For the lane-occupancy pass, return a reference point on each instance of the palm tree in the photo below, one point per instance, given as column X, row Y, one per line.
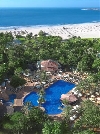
column 65, row 102
column 26, row 107
column 43, row 76
column 67, row 112
column 41, row 97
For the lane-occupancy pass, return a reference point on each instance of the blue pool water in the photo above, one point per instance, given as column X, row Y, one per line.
column 52, row 96
column 11, row 98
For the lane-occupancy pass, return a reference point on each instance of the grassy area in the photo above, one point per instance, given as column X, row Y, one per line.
column 22, row 39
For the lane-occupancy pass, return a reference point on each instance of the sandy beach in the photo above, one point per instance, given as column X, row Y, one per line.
column 84, row 30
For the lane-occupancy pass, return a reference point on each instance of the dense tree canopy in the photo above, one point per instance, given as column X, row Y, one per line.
column 17, row 81
column 90, row 116
column 75, row 53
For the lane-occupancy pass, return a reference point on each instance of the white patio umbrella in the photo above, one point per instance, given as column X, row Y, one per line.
column 79, row 95
column 98, row 98
column 66, row 75
column 74, row 116
column 71, row 118
column 75, row 107
column 43, row 82
column 92, row 96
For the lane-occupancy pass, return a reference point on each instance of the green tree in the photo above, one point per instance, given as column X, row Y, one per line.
column 26, row 107
column 41, row 98
column 37, row 119
column 87, row 85
column 65, row 102
column 84, row 132
column 96, row 64
column 16, row 123
column 43, row 76
column 67, row 113
column 17, row 81
column 55, row 127
column 3, row 71
column 90, row 116
column 18, row 71
column 41, row 33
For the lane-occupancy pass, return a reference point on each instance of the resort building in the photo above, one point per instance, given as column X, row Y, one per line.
column 48, row 65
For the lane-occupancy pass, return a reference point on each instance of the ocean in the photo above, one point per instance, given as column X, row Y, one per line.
column 26, row 17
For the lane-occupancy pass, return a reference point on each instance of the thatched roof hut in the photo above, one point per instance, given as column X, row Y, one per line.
column 69, row 97
column 5, row 110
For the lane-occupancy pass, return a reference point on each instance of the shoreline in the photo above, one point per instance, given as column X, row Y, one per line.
column 49, row 25
column 84, row 30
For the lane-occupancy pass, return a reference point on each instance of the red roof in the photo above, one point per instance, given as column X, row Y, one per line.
column 49, row 65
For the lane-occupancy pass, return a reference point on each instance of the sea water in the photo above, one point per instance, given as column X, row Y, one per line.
column 26, row 17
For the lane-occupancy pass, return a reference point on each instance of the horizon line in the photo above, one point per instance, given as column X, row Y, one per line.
column 49, row 7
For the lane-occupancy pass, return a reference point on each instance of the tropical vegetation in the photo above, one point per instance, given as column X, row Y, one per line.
column 74, row 54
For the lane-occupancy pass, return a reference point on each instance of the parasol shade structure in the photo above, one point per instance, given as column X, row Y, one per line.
column 4, row 96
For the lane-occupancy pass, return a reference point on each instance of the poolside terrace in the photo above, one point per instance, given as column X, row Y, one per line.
column 35, row 85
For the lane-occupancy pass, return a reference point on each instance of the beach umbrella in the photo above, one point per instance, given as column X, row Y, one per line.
column 77, row 106
column 59, row 75
column 77, row 111
column 98, row 102
column 74, row 116
column 79, row 95
column 92, row 99
column 71, row 118
column 66, row 75
column 75, row 93
column 97, row 93
column 43, row 82
column 98, row 98
column 60, row 71
column 74, row 107
column 92, row 96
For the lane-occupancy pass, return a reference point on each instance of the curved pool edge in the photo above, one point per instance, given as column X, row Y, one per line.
column 26, row 95
column 50, row 114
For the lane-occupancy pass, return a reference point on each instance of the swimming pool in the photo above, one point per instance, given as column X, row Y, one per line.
column 11, row 99
column 52, row 96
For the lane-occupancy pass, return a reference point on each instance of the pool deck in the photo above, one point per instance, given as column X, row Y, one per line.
column 21, row 94
column 29, row 87
column 18, row 102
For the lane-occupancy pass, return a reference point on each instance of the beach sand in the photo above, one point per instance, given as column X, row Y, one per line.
column 84, row 30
